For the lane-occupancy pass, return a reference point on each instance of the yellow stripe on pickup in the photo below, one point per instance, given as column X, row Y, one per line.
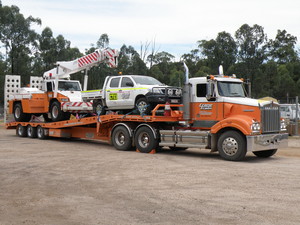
column 90, row 91
column 125, row 89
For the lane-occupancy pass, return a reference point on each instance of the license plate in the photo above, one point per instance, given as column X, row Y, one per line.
column 174, row 100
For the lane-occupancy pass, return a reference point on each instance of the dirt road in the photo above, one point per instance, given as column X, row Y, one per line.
column 61, row 181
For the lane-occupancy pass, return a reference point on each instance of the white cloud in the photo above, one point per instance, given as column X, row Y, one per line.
column 170, row 22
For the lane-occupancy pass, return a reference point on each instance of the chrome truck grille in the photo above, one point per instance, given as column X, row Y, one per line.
column 270, row 117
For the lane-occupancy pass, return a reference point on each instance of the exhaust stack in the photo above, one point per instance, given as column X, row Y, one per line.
column 186, row 95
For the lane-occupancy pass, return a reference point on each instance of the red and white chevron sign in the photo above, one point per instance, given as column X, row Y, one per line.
column 108, row 56
column 77, row 104
column 88, row 59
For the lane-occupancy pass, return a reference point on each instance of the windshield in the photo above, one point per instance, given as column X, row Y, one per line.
column 144, row 80
column 68, row 86
column 231, row 89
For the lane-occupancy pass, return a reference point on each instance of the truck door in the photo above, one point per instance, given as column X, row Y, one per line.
column 127, row 92
column 203, row 112
column 112, row 92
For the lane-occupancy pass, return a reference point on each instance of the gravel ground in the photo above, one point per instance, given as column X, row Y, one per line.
column 62, row 181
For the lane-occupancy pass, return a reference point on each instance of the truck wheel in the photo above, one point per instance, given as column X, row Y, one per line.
column 46, row 117
column 232, row 146
column 31, row 131
column 56, row 113
column 19, row 115
column 145, row 140
column 40, row 132
column 98, row 108
column 121, row 139
column 143, row 106
column 265, row 154
column 21, row 131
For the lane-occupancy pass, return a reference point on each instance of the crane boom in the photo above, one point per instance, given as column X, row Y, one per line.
column 64, row 69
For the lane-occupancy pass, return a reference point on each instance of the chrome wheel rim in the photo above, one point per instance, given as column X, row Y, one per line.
column 144, row 140
column 39, row 132
column 142, row 106
column 230, row 146
column 17, row 112
column 29, row 131
column 120, row 138
column 54, row 112
column 99, row 109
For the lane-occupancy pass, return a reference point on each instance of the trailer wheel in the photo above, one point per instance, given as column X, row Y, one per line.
column 19, row 115
column 40, row 132
column 56, row 113
column 21, row 131
column 145, row 140
column 265, row 154
column 143, row 106
column 31, row 131
column 232, row 146
column 121, row 139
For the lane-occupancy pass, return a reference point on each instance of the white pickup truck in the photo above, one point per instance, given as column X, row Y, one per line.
column 126, row 92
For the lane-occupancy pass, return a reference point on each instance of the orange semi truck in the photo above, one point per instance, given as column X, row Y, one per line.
column 216, row 114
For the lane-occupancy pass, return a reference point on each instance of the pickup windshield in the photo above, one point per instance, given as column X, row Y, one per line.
column 144, row 80
column 68, row 86
column 231, row 89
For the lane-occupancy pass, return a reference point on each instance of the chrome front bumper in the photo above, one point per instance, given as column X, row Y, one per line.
column 267, row 142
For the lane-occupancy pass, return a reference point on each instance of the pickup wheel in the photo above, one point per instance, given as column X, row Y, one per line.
column 56, row 113
column 31, row 131
column 145, row 140
column 21, row 131
column 121, row 139
column 19, row 115
column 98, row 108
column 265, row 154
column 143, row 106
column 232, row 146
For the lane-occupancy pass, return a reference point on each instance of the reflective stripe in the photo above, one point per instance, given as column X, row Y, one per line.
column 90, row 91
column 125, row 89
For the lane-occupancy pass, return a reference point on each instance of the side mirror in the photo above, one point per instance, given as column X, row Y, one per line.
column 129, row 84
column 210, row 92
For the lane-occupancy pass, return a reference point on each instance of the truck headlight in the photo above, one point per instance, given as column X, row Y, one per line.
column 178, row 92
column 283, row 125
column 255, row 127
column 170, row 92
column 156, row 90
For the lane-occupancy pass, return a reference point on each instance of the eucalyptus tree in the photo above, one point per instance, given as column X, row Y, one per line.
column 18, row 38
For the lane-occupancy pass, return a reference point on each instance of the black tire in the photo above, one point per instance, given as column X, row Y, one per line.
column 265, row 154
column 143, row 106
column 21, row 131
column 46, row 117
column 232, row 146
column 56, row 113
column 19, row 115
column 177, row 148
column 98, row 108
column 40, row 132
column 121, row 139
column 31, row 131
column 145, row 140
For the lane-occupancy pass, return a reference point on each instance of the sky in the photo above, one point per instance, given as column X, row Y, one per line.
column 174, row 26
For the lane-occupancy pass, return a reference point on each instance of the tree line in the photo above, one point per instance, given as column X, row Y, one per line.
column 271, row 65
